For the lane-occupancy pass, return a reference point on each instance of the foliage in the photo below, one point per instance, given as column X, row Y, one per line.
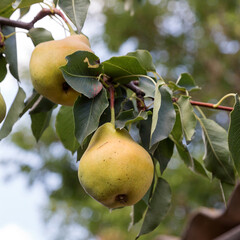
column 158, row 113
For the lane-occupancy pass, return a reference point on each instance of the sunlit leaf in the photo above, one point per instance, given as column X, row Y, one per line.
column 145, row 59
column 76, row 10
column 13, row 113
column 158, row 207
column 234, row 134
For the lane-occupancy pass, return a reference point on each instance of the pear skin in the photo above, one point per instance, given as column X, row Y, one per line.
column 115, row 170
column 2, row 108
column 45, row 62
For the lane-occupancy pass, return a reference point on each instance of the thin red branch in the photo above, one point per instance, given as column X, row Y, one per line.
column 43, row 13
column 210, row 105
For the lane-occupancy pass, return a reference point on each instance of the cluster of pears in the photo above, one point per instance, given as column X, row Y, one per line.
column 45, row 62
column 115, row 170
column 2, row 108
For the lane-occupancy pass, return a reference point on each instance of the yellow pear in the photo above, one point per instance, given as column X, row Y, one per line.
column 45, row 62
column 2, row 108
column 115, row 170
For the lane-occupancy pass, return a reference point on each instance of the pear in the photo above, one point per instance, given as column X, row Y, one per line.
column 2, row 108
column 45, row 62
column 115, row 170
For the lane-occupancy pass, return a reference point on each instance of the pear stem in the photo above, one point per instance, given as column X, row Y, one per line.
column 111, row 91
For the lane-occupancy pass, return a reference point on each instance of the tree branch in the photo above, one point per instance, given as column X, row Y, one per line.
column 139, row 92
column 43, row 13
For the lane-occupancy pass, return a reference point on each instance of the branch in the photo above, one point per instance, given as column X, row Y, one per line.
column 139, row 92
column 140, row 95
column 43, row 13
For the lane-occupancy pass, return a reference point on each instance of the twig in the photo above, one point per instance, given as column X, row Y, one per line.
column 43, row 13
column 139, row 92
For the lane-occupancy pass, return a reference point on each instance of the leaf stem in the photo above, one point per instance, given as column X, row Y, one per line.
column 223, row 98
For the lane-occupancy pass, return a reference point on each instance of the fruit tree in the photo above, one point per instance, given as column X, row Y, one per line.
column 119, row 117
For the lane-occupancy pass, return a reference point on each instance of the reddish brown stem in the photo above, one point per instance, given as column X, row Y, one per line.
column 111, row 91
column 43, row 13
column 208, row 105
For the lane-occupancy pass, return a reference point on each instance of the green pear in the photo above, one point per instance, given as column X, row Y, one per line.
column 115, row 170
column 2, row 108
column 45, row 62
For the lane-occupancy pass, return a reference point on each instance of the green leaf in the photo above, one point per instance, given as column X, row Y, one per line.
column 177, row 137
column 145, row 132
column 28, row 3
column 138, row 211
column 187, row 82
column 6, row 8
column 81, row 73
column 42, row 105
column 76, row 10
column 3, row 67
column 13, row 113
column 217, row 156
column 39, row 35
column 163, row 115
column 11, row 51
column 65, row 128
column 87, row 113
column 121, row 69
column 24, row 11
column 147, row 86
column 129, row 117
column 81, row 150
column 145, row 59
column 198, row 168
column 234, row 134
column 158, row 207
column 40, row 121
column 30, row 102
column 187, row 117
column 164, row 152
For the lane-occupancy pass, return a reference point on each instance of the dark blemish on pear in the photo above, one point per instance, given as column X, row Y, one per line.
column 65, row 87
column 122, row 198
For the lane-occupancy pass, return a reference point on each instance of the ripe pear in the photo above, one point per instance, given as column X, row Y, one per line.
column 2, row 108
column 45, row 62
column 115, row 170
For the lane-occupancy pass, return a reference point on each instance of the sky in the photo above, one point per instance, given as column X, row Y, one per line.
column 20, row 206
